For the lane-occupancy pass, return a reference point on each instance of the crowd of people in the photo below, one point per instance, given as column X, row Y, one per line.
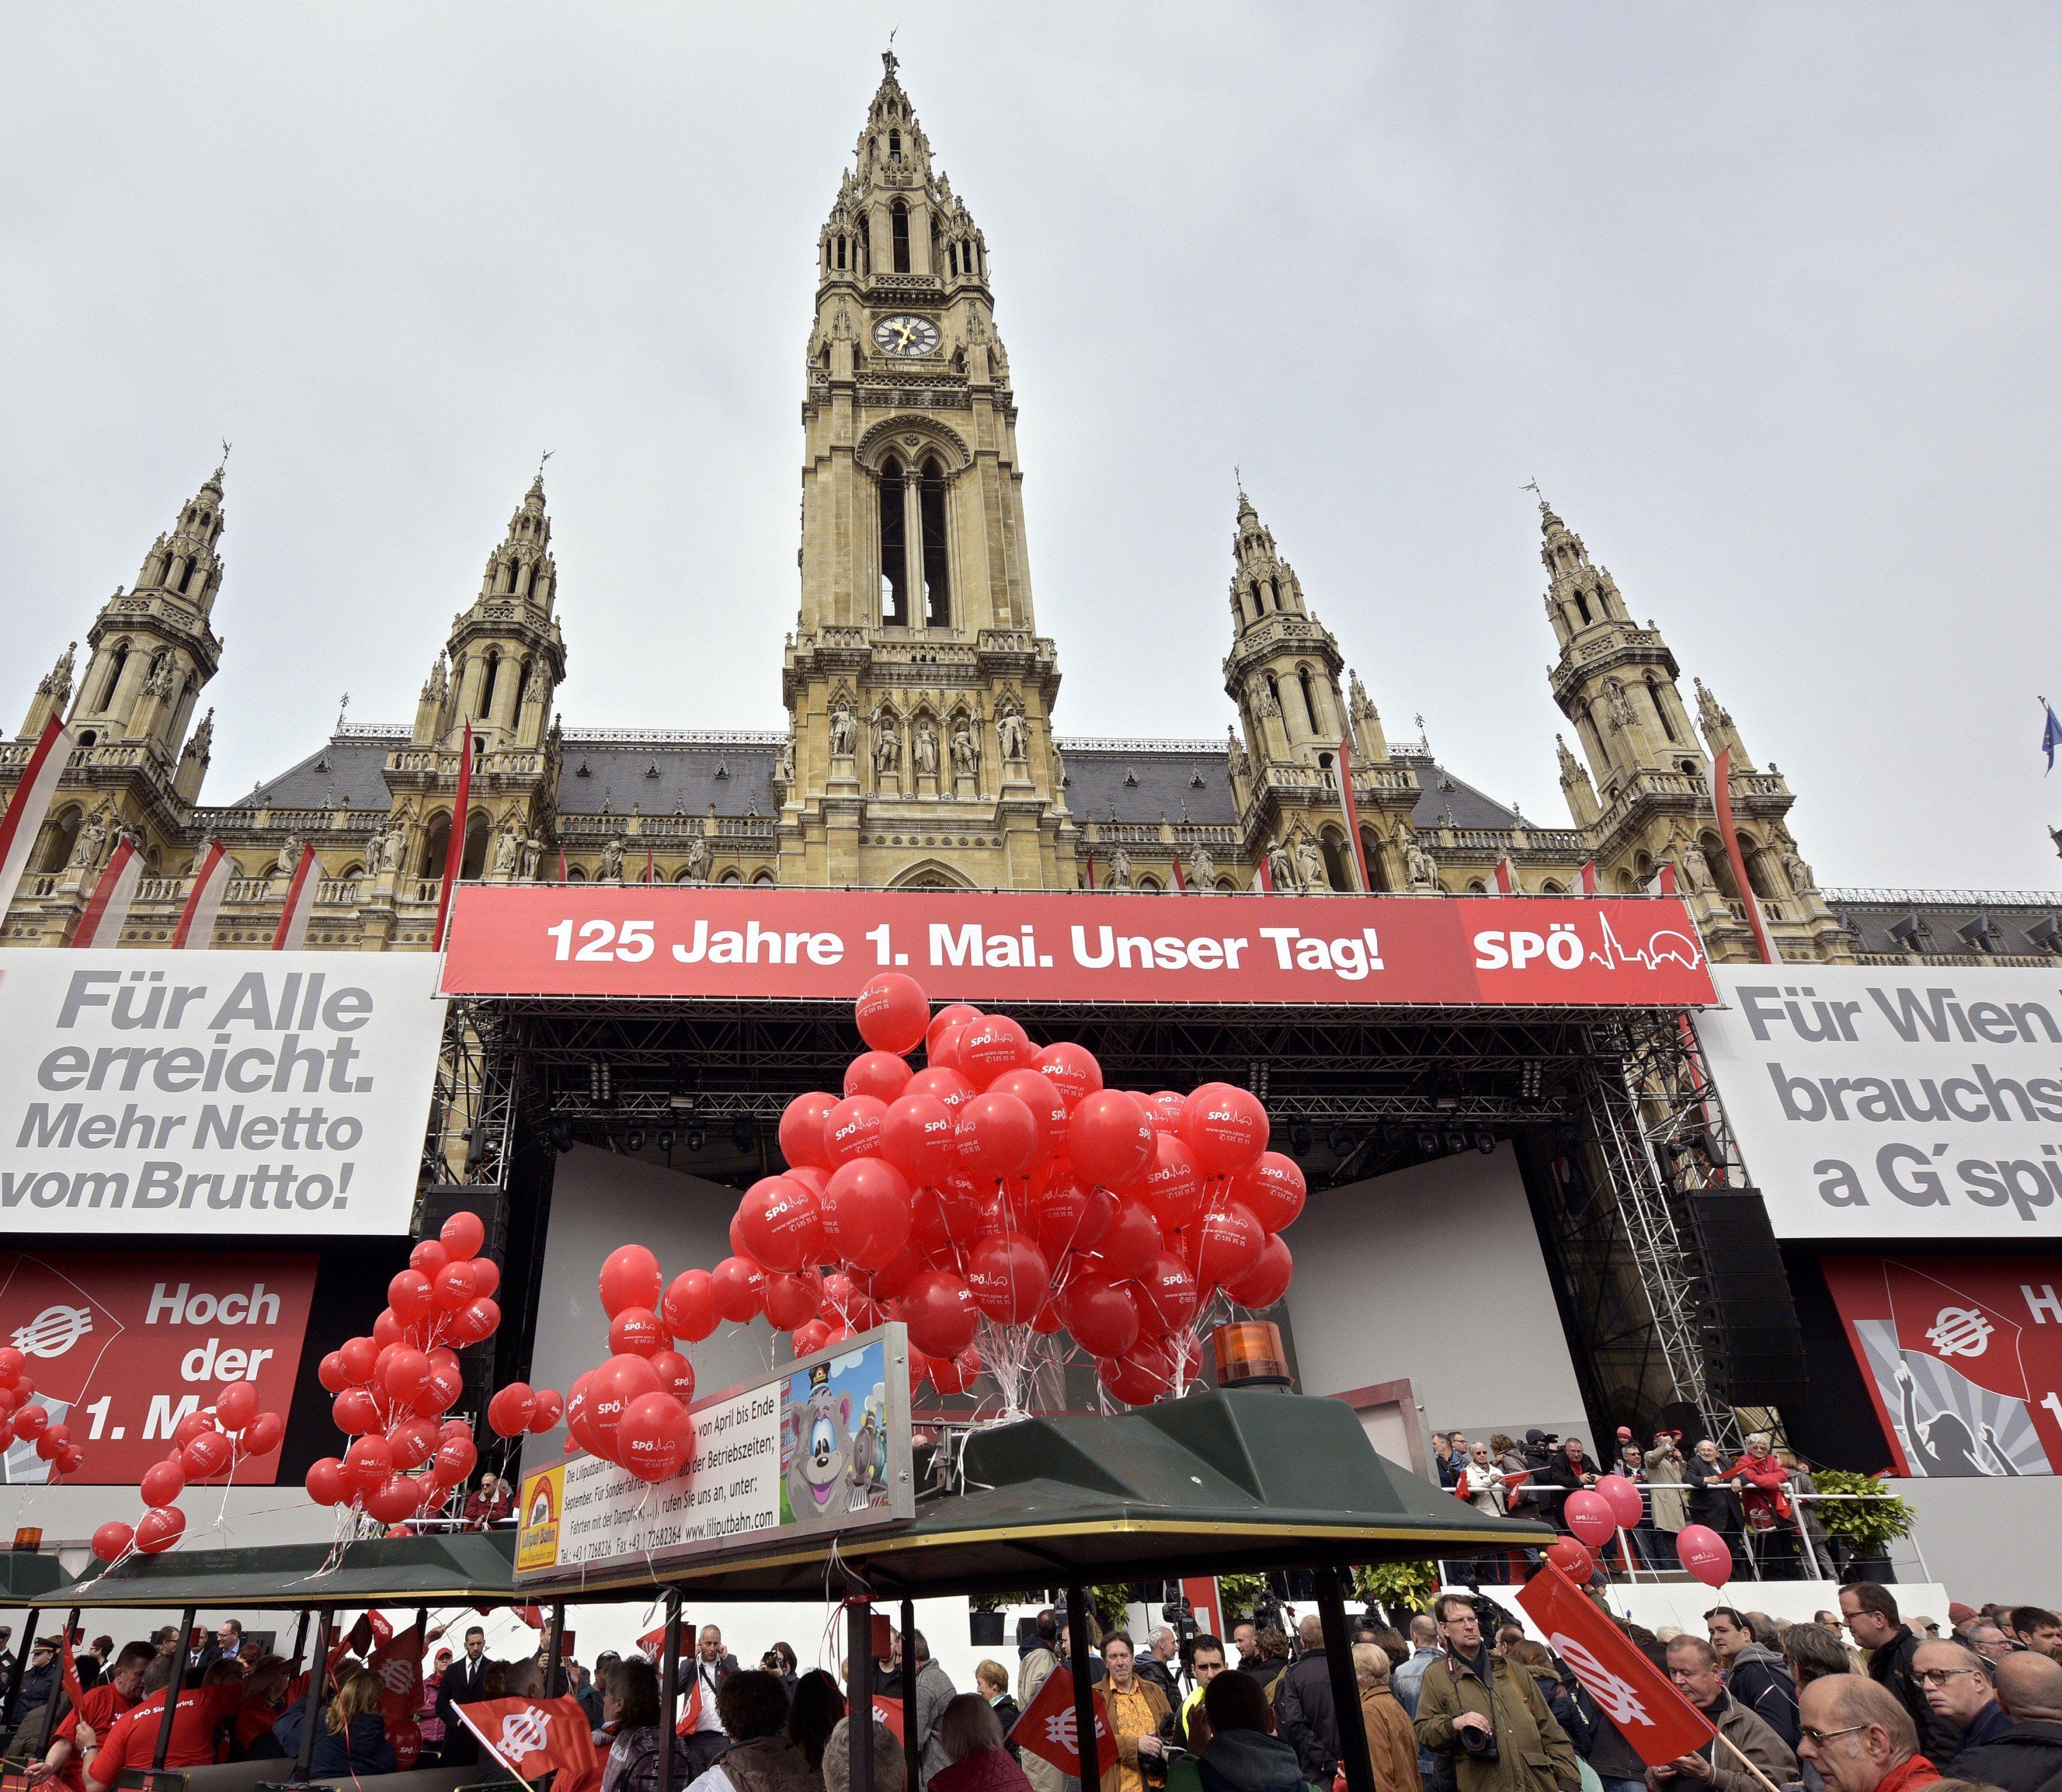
column 1759, row 1501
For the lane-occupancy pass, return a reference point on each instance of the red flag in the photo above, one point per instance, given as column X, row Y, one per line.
column 1181, row 883
column 1264, row 879
column 1722, row 800
column 398, row 1663
column 1090, row 884
column 67, row 1669
column 1589, row 877
column 693, row 1715
column 1047, row 1727
column 1353, row 815
column 292, row 934
column 1639, row 1698
column 651, row 867
column 652, row 1642
column 533, row 1737
column 23, row 821
column 196, row 929
column 107, row 908
column 890, row 1711
column 1978, row 1342
column 562, row 865
column 455, row 852
column 1506, row 879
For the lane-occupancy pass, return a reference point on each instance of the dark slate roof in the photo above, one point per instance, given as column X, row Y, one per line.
column 2007, row 922
column 1445, row 794
column 346, row 773
column 660, row 776
column 1183, row 781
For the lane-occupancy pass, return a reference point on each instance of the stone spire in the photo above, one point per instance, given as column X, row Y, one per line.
column 507, row 655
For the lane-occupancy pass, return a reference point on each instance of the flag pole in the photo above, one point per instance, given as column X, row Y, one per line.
column 1769, row 1784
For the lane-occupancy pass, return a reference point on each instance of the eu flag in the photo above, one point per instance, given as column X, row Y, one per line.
column 2051, row 737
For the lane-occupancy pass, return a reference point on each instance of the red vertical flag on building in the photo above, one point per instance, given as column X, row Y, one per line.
column 195, row 932
column 1351, row 810
column 23, row 821
column 292, row 934
column 455, row 852
column 107, row 908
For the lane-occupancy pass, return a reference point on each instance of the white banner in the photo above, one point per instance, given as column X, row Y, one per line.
column 281, row 1096
column 1876, row 1102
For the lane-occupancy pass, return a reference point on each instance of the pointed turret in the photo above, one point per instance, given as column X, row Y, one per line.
column 507, row 655
column 1576, row 787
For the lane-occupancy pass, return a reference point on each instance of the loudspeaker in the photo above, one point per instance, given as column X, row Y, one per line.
column 1754, row 1347
column 489, row 1203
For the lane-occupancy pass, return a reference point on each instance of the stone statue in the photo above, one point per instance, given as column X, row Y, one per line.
column 1310, row 864
column 1012, row 735
column 433, row 686
column 507, row 847
column 844, row 731
column 1280, row 872
column 887, row 744
column 1263, row 699
column 1798, row 873
column 966, row 750
column 1203, row 868
column 533, row 852
column 1120, row 868
column 290, row 855
column 1710, row 713
column 1621, row 710
column 1689, row 855
column 612, row 862
column 1358, row 697
column 698, row 860
column 1419, row 870
column 1235, row 752
column 56, row 683
column 203, row 737
column 387, row 846
column 92, row 842
column 927, row 749
column 784, row 762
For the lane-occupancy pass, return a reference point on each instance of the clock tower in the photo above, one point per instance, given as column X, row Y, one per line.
column 919, row 692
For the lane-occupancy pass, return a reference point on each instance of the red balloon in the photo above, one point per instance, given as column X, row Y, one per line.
column 690, row 1306
column 359, row 1357
column 325, row 1483
column 955, row 1014
column 462, row 1235
column 1173, row 1186
column 893, row 1013
column 415, row 1441
column 428, row 1257
column 1272, row 1187
column 943, row 1051
column 1127, row 1247
column 184, row 1433
column 811, row 1337
column 388, row 1331
column 1267, row 1281
column 368, row 1462
column 509, row 1411
column 445, row 1384
column 456, row 1285
column 111, row 1539
column 802, row 1129
column 1166, row 1297
column 481, row 1320
column 261, row 1435
column 946, row 1216
column 1070, row 1068
column 1623, row 1497
column 1103, row 1318
column 393, row 1499
column 792, row 1300
column 939, row 1311
column 549, row 1409
column 404, row 1736
column 629, row 1278
column 997, row 1135
column 636, row 1330
column 408, row 1294
column 208, row 1454
column 1139, row 1379
column 1572, row 1559
column 577, row 1427
column 941, row 1084
column 13, row 1362
column 454, row 1460
column 163, row 1482
column 648, row 1440
column 73, row 1460
column 1049, row 1109
column 1226, row 1132
column 1110, row 1140
column 1164, row 1109
column 918, row 1138
column 617, row 1383
column 1588, row 1516
column 1703, row 1552
column 881, row 1075
column 51, row 1444
column 1071, row 1217
column 1228, row 1243
column 990, row 1046
column 234, row 1408
column 884, row 1284
column 406, row 1373
column 958, row 1374
column 867, row 1212
column 852, row 1129
column 487, row 1274
column 159, row 1529
column 675, row 1374
column 780, row 1223
column 1008, row 1276
column 738, row 1287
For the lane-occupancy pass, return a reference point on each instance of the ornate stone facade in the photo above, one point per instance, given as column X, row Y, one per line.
column 919, row 747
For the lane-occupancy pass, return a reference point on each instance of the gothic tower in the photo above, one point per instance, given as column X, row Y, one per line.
column 919, row 692
column 1283, row 672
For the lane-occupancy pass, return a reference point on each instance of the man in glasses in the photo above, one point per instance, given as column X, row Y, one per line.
column 2029, row 1753
column 1956, row 1682
column 1856, row 1733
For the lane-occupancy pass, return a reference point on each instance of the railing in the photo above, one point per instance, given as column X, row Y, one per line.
column 1101, row 743
column 681, row 737
column 1953, row 899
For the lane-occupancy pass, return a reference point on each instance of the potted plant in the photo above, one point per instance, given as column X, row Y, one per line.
column 1398, row 1587
column 985, row 1622
column 1866, row 1524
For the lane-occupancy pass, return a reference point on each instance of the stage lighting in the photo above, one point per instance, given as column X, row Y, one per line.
column 1457, row 1141
column 1485, row 1143
column 743, row 1133
column 1300, row 1139
column 634, row 1139
column 1340, row 1142
column 665, row 1141
column 696, row 1139
column 562, row 1136
column 1530, row 1078
column 1428, row 1144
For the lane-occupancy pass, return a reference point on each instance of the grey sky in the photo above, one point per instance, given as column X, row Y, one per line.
column 1764, row 296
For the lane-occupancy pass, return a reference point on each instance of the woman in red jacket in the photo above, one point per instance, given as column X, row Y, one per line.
column 1771, row 1518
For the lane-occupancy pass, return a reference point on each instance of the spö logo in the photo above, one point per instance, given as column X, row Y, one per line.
column 53, row 1331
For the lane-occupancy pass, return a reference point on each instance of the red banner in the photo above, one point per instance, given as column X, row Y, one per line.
column 1962, row 1356
column 121, row 1346
column 1661, row 1724
column 531, row 1736
column 755, row 941
column 1047, row 1729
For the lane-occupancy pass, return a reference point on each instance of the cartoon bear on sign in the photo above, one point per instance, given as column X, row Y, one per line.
column 819, row 1477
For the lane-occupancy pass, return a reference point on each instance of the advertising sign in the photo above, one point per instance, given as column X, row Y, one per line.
column 1961, row 1355
column 1884, row 1103
column 283, row 1095
column 122, row 1346
column 820, row 1445
column 758, row 941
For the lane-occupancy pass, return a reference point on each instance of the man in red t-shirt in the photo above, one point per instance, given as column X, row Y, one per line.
column 104, row 1703
column 201, row 1709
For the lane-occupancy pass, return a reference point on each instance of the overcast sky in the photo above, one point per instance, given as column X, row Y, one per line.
column 1764, row 297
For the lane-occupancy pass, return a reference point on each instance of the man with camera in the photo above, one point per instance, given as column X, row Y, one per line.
column 1489, row 1718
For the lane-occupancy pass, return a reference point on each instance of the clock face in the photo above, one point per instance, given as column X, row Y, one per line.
column 905, row 335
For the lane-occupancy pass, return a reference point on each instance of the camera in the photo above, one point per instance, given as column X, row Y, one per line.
column 1477, row 1745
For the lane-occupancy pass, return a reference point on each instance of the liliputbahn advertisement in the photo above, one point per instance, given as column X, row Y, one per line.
column 820, row 1445
column 282, row 1095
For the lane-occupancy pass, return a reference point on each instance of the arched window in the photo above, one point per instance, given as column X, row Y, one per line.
column 1371, row 850
column 1719, row 865
column 1311, row 706
column 1274, row 585
column 1627, row 884
column 1757, row 867
column 938, row 580
column 1583, row 605
column 487, row 684
column 477, row 836
column 1551, row 886
column 762, row 877
column 436, row 845
column 59, row 839
column 1338, row 872
column 185, row 579
column 898, row 225
column 894, row 145
column 839, row 250
column 1274, row 691
column 733, row 876
column 894, row 548
column 114, row 674
column 1660, row 708
column 863, row 253
column 1259, row 603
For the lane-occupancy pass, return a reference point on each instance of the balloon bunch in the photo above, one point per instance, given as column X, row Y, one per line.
column 392, row 1389
column 998, row 1196
column 207, row 1445
column 24, row 1419
column 633, row 1409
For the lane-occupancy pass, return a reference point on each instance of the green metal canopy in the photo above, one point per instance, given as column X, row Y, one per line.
column 24, row 1574
column 473, row 1568
column 1213, row 1483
